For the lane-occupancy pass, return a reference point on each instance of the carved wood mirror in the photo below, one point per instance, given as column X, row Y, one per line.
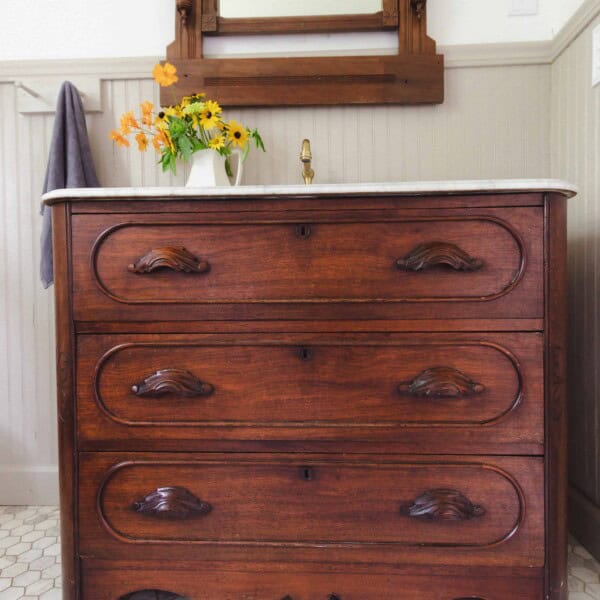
column 415, row 75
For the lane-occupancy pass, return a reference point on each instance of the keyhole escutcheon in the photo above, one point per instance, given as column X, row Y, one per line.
column 303, row 231
column 307, row 473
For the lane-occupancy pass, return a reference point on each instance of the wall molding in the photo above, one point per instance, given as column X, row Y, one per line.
column 497, row 55
column 29, row 485
column 457, row 56
column 586, row 13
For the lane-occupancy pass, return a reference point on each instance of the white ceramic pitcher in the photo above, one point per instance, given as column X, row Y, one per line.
column 208, row 169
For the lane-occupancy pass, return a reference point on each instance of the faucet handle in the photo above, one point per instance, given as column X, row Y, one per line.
column 306, row 158
column 306, row 154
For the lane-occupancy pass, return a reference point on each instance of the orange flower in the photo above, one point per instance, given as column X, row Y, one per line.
column 165, row 75
column 128, row 121
column 162, row 139
column 147, row 108
column 119, row 139
column 142, row 141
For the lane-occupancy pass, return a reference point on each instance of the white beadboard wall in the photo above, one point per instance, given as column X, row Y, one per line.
column 494, row 124
column 575, row 112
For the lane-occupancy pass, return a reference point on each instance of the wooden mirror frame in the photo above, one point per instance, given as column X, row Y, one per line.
column 413, row 76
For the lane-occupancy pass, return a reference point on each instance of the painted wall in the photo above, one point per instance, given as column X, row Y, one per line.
column 112, row 28
column 576, row 156
column 561, row 12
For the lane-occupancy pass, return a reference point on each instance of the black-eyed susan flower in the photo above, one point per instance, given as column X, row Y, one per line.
column 217, row 143
column 210, row 115
column 237, row 134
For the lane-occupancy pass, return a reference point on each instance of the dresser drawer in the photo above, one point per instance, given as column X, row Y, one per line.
column 451, row 264
column 454, row 510
column 306, row 582
column 433, row 392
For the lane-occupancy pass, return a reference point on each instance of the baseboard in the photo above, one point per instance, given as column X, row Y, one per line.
column 30, row 486
column 584, row 521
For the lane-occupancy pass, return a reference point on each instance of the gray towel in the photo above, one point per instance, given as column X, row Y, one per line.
column 70, row 164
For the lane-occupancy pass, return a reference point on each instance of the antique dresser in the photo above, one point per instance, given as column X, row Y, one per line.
column 326, row 393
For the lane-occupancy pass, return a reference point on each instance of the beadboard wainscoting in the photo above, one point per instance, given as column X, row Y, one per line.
column 495, row 123
column 576, row 156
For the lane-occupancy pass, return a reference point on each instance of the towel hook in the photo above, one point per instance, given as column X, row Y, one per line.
column 28, row 90
column 20, row 85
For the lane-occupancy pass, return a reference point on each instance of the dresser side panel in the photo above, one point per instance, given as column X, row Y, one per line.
column 67, row 439
column 556, row 398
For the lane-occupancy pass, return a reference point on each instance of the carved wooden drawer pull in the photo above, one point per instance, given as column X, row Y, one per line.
column 154, row 594
column 441, row 382
column 172, row 381
column 442, row 505
column 435, row 254
column 168, row 257
column 172, row 503
column 330, row 597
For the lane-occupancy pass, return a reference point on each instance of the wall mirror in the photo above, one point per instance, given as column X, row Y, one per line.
column 296, row 8
column 415, row 75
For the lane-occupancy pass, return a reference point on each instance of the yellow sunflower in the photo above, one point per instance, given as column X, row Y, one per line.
column 211, row 115
column 217, row 142
column 165, row 75
column 147, row 108
column 142, row 141
column 119, row 139
column 237, row 134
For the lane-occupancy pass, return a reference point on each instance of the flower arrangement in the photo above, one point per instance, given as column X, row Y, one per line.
column 179, row 131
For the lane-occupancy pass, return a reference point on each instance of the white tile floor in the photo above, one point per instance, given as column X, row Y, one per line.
column 30, row 558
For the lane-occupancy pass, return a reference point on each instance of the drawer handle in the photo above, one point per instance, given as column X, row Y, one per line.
column 168, row 257
column 155, row 594
column 172, row 503
column 330, row 597
column 434, row 254
column 441, row 382
column 442, row 505
column 172, row 381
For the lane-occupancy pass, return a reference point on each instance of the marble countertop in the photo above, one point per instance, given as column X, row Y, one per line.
column 412, row 188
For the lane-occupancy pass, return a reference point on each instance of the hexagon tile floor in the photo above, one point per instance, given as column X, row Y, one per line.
column 30, row 558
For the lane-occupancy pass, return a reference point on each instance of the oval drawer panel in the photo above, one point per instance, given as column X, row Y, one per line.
column 303, row 582
column 332, row 384
column 461, row 258
column 319, row 503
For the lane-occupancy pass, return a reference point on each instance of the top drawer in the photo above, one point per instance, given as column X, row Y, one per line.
column 442, row 264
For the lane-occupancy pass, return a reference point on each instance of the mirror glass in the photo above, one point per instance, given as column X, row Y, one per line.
column 294, row 8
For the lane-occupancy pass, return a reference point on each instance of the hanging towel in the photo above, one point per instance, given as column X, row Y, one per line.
column 70, row 164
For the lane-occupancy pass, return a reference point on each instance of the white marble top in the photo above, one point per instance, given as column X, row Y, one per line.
column 331, row 189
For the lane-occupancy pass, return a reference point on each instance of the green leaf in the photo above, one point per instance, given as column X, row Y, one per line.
column 228, row 167
column 186, row 148
column 245, row 152
column 198, row 144
column 258, row 140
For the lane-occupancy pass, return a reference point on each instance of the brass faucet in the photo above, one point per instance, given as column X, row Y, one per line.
column 306, row 158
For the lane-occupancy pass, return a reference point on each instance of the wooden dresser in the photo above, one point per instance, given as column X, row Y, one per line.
column 327, row 393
